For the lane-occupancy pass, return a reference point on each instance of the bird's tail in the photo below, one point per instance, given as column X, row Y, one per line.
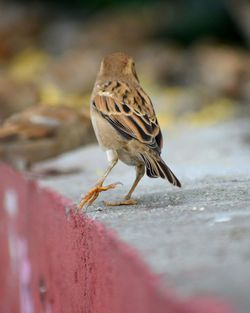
column 156, row 167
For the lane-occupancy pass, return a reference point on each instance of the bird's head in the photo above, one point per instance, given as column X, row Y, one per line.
column 118, row 65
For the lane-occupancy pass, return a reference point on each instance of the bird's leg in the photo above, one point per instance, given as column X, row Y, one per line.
column 140, row 171
column 94, row 192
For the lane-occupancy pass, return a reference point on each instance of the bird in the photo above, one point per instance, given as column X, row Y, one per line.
column 42, row 132
column 126, row 127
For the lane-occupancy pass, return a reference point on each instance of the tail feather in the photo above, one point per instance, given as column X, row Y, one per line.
column 156, row 167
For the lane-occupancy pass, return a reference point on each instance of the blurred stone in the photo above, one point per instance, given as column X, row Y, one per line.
column 15, row 97
column 124, row 28
column 74, row 71
column 19, row 27
column 61, row 34
column 159, row 63
column 224, row 70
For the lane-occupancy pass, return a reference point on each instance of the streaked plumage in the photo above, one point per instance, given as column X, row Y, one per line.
column 42, row 132
column 125, row 123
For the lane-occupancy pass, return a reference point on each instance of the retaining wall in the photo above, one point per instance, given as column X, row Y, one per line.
column 55, row 261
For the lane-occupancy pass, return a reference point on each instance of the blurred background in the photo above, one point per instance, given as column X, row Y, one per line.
column 192, row 56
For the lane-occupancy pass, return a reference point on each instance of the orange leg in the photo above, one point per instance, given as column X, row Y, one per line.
column 140, row 171
column 94, row 192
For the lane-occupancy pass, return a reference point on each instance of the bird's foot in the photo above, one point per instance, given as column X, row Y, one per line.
column 92, row 195
column 123, row 202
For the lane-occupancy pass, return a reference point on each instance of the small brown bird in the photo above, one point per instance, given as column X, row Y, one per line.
column 42, row 132
column 125, row 125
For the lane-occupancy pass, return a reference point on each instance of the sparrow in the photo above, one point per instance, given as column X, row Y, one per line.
column 126, row 126
column 42, row 132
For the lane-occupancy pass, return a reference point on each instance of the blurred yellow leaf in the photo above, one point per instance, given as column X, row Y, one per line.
column 51, row 95
column 219, row 110
column 54, row 96
column 27, row 64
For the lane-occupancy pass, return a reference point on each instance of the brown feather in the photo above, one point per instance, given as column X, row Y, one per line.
column 130, row 112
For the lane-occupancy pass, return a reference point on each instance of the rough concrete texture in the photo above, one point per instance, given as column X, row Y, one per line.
column 196, row 238
column 53, row 261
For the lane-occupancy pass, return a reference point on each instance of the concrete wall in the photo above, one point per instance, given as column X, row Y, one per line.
column 55, row 261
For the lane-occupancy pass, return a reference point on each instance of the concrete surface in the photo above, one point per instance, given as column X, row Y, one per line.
column 196, row 238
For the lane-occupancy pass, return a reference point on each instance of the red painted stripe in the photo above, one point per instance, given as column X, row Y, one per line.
column 54, row 263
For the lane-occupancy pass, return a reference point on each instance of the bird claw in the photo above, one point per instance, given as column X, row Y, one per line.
column 92, row 195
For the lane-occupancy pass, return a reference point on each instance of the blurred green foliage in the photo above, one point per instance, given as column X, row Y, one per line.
column 190, row 19
column 194, row 19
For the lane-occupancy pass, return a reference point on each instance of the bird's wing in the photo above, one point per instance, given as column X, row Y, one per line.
column 130, row 111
